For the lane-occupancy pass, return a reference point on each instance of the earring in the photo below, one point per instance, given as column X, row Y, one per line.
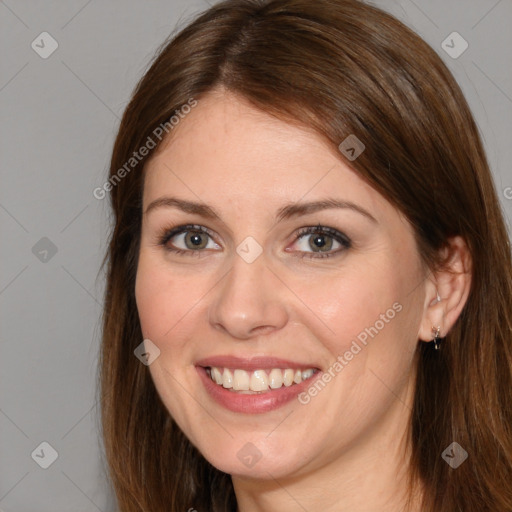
column 436, row 339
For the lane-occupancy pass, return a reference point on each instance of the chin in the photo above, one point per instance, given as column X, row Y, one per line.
column 258, row 458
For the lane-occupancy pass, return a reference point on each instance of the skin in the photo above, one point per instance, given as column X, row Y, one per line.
column 347, row 449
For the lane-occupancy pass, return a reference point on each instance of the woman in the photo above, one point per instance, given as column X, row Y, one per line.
column 310, row 264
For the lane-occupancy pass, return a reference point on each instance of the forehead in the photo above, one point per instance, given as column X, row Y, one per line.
column 227, row 147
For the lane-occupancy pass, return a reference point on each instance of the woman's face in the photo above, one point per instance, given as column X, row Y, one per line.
column 289, row 262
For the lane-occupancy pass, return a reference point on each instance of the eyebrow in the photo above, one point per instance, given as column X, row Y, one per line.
column 286, row 212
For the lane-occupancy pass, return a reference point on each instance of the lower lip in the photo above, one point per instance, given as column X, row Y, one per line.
column 257, row 403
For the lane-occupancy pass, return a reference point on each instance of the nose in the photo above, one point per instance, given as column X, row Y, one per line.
column 249, row 301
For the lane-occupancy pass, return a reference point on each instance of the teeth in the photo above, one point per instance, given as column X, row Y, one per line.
column 288, row 377
column 259, row 380
column 227, row 379
column 275, row 378
column 307, row 373
column 217, row 375
column 241, row 380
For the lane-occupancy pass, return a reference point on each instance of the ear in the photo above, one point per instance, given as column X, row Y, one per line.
column 446, row 290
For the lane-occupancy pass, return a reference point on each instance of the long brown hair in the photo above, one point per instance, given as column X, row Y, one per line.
column 341, row 67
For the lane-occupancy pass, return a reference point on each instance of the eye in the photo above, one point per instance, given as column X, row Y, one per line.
column 187, row 239
column 313, row 241
column 323, row 241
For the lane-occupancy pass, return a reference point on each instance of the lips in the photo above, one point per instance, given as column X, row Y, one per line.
column 257, row 387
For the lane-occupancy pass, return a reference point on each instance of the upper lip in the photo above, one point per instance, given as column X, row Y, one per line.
column 253, row 363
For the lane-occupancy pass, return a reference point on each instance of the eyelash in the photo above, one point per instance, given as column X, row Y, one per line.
column 341, row 238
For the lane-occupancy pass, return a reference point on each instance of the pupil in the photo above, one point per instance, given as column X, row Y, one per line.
column 196, row 239
column 319, row 241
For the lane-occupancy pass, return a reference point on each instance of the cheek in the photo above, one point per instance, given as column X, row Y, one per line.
column 369, row 321
column 164, row 305
column 162, row 300
column 348, row 303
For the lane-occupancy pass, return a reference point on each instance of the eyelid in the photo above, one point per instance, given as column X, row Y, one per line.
column 325, row 230
column 167, row 233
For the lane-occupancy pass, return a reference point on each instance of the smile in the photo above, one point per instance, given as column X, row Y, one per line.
column 258, row 381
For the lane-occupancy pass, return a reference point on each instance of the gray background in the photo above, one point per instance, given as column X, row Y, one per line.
column 59, row 118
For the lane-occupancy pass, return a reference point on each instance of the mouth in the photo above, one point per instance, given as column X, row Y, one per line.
column 238, row 380
column 254, row 385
